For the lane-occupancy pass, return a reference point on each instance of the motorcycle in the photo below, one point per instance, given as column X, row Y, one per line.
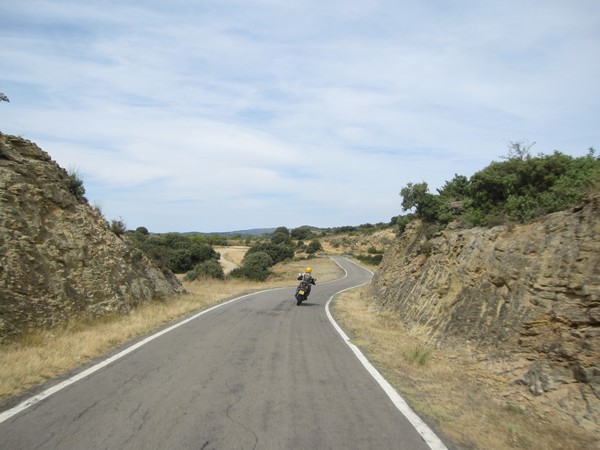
column 303, row 290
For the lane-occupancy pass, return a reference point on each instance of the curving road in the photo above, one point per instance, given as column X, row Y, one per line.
column 257, row 372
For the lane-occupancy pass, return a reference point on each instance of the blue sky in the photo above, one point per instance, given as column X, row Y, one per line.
column 225, row 115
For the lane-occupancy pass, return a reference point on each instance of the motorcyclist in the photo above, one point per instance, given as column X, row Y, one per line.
column 307, row 278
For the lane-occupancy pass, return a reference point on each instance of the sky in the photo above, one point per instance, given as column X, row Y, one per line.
column 224, row 115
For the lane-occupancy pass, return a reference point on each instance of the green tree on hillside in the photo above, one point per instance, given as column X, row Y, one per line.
column 142, row 230
column 314, row 246
column 518, row 189
column 301, row 233
column 177, row 252
column 281, row 236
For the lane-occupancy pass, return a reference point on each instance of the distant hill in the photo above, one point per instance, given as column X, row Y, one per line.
column 252, row 232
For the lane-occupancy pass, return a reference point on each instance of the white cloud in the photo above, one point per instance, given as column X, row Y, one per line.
column 229, row 114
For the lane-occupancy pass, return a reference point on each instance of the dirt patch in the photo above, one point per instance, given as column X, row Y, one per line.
column 231, row 257
column 468, row 394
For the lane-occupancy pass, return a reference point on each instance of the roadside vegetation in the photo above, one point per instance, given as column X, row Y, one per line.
column 193, row 254
column 516, row 190
column 180, row 253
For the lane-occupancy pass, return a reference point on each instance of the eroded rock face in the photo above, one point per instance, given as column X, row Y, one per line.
column 530, row 292
column 57, row 255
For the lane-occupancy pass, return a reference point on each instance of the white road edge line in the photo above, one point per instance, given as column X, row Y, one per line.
column 60, row 386
column 422, row 428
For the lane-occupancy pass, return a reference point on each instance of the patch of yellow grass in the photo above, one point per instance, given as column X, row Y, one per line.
column 42, row 355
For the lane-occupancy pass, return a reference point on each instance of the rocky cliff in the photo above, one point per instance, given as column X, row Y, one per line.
column 524, row 293
column 58, row 257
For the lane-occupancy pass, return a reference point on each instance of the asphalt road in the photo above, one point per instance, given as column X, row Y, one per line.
column 258, row 372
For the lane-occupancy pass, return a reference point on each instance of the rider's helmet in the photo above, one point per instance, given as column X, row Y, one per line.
column 308, row 270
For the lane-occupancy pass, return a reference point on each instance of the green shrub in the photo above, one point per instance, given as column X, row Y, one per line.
column 238, row 272
column 176, row 252
column 277, row 252
column 75, row 184
column 206, row 269
column 255, row 266
column 118, row 227
column 417, row 355
column 314, row 246
column 370, row 259
column 181, row 260
column 402, row 221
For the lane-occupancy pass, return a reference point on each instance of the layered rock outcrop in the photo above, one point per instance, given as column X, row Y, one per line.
column 529, row 292
column 58, row 257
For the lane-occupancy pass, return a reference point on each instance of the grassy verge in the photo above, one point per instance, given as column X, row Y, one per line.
column 452, row 386
column 42, row 355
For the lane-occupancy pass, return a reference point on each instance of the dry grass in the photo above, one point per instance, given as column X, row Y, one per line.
column 42, row 355
column 231, row 256
column 235, row 253
column 471, row 405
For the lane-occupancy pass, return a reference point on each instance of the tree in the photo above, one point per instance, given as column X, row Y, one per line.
column 142, row 230
column 281, row 236
column 301, row 233
column 3, row 98
column 519, row 188
column 428, row 207
column 519, row 150
column 456, row 189
column 206, row 269
column 277, row 252
column 413, row 195
column 314, row 246
column 256, row 266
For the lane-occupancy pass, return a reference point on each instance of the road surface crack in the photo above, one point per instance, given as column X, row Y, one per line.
column 244, row 426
